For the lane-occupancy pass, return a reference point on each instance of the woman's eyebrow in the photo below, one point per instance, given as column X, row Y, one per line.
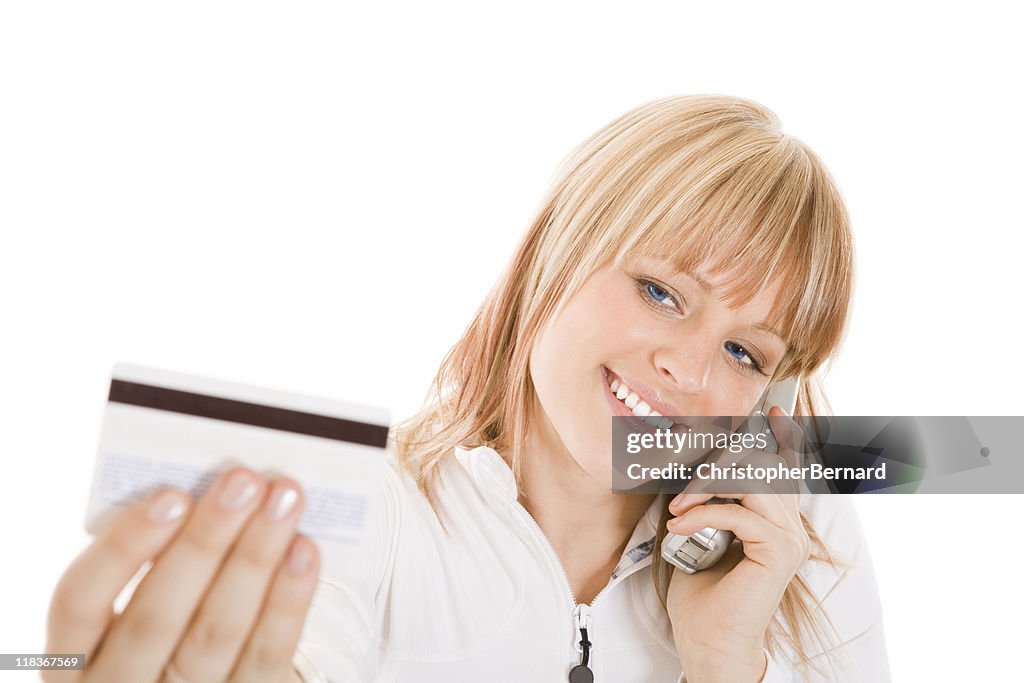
column 769, row 329
column 706, row 286
column 709, row 289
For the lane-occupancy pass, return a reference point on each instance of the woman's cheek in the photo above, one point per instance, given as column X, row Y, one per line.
column 742, row 399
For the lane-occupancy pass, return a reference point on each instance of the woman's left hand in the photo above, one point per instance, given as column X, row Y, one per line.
column 720, row 615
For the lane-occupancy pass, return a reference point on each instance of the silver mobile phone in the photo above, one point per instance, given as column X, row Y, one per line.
column 700, row 550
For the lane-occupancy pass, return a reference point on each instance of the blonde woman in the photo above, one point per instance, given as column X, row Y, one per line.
column 689, row 251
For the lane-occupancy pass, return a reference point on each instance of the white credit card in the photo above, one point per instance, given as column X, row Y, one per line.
column 163, row 428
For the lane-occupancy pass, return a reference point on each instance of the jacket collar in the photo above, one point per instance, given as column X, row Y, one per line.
column 491, row 473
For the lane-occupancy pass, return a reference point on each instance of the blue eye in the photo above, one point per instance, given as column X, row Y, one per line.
column 739, row 352
column 660, row 298
column 665, row 302
column 656, row 292
column 736, row 350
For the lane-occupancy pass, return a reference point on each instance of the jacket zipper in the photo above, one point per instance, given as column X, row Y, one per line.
column 582, row 618
column 582, row 673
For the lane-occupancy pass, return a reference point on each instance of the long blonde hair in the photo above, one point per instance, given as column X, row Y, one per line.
column 709, row 181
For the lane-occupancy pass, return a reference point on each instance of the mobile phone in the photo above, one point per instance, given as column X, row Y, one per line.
column 702, row 549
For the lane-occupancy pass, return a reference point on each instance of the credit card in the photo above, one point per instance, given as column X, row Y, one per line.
column 164, row 428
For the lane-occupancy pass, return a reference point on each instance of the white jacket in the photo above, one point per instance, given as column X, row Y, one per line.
column 491, row 602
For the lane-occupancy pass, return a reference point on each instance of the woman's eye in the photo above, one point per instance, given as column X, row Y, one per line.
column 656, row 292
column 657, row 295
column 738, row 352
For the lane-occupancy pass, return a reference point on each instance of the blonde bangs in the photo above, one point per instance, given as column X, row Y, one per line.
column 713, row 184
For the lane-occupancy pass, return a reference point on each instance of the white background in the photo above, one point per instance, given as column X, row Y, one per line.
column 316, row 198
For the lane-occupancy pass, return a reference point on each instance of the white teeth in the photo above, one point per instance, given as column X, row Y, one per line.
column 639, row 408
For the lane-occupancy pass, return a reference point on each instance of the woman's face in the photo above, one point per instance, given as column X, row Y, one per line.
column 677, row 348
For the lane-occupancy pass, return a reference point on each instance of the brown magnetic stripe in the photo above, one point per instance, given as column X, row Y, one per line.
column 230, row 410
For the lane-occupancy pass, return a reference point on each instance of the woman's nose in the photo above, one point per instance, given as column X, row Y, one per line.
column 686, row 368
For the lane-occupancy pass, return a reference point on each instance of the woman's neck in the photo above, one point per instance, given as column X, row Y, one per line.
column 586, row 523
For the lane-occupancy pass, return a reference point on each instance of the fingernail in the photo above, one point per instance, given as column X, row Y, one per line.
column 281, row 502
column 238, row 490
column 677, row 502
column 300, row 557
column 167, row 507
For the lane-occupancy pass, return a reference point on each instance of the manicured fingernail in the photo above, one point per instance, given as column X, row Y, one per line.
column 281, row 501
column 677, row 502
column 238, row 490
column 300, row 557
column 167, row 507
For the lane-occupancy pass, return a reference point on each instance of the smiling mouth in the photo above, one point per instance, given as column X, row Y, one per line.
column 635, row 404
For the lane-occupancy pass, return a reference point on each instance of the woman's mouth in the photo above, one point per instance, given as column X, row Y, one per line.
column 629, row 400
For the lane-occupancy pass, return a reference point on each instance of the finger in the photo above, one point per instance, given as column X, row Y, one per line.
column 81, row 608
column 268, row 653
column 763, row 543
column 768, row 505
column 792, row 442
column 685, row 500
column 788, row 434
column 164, row 602
column 749, row 526
column 230, row 608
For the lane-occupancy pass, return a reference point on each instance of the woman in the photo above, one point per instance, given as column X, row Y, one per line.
column 688, row 251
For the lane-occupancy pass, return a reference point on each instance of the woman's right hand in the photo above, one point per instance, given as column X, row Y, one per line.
column 225, row 599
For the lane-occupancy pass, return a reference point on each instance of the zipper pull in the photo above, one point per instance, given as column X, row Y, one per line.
column 581, row 673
